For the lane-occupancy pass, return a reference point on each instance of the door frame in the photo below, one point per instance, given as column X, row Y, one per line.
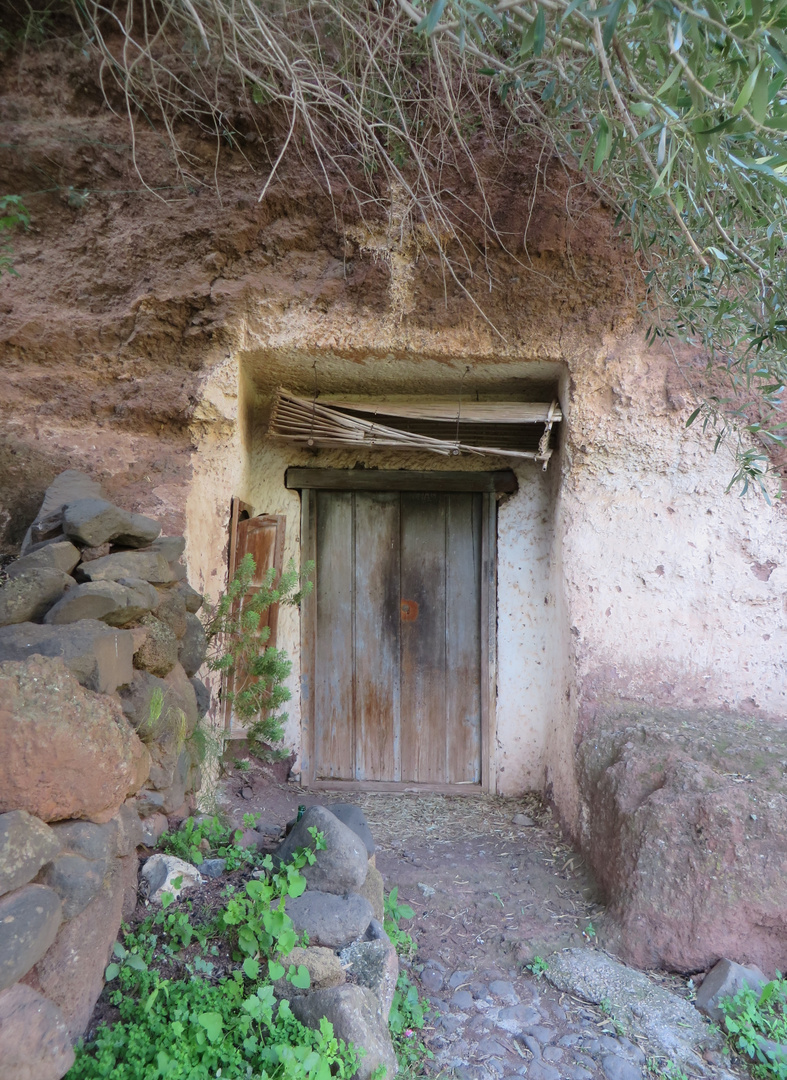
column 308, row 482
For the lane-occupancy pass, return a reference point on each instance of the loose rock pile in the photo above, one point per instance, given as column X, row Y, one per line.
column 353, row 966
column 95, row 616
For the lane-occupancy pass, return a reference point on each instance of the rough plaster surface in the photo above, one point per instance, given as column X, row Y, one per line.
column 662, row 587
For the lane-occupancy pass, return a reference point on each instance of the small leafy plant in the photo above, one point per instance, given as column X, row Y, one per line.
column 538, row 967
column 223, row 842
column 408, row 1017
column 756, row 1020
column 13, row 214
column 394, row 912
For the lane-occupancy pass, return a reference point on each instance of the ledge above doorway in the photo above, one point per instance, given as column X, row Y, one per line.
column 499, row 482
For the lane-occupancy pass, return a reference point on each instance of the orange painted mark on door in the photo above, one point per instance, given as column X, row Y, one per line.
column 409, row 609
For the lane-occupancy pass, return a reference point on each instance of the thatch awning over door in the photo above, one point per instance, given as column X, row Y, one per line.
column 511, row 429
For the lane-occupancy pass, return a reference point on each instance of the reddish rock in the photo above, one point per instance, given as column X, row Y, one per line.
column 34, row 1039
column 71, row 974
column 64, row 752
column 684, row 824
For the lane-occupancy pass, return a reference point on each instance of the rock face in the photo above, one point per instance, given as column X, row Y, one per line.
column 29, row 921
column 354, row 1013
column 690, row 860
column 64, row 752
column 342, row 866
column 97, row 655
column 26, row 843
column 34, row 1039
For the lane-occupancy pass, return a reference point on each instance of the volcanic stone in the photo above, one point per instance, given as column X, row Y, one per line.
column 30, row 595
column 65, row 488
column 97, row 655
column 71, row 973
column 192, row 598
column 193, row 646
column 148, row 565
column 329, row 920
column 109, row 601
column 26, row 843
column 87, row 839
column 76, row 881
column 355, row 1015
column 354, row 818
column 95, row 521
column 202, row 695
column 34, row 1039
column 341, row 867
column 158, row 653
column 172, row 611
column 64, row 752
column 171, row 547
column 725, row 979
column 374, row 891
column 61, row 556
column 375, row 965
column 29, row 921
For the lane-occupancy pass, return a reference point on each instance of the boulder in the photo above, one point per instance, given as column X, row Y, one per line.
column 109, row 601
column 213, row 868
column 689, row 860
column 148, row 565
column 354, row 1013
column 65, row 488
column 76, row 881
column 724, row 980
column 171, row 611
column 329, row 920
column 29, row 921
column 375, row 965
column 158, row 654
column 193, row 646
column 95, row 521
column 341, row 867
column 26, row 843
column 150, row 804
column 191, row 597
column 64, row 751
column 34, row 1039
column 324, row 967
column 354, row 818
column 31, row 594
column 182, row 696
column 159, row 873
column 171, row 547
column 61, row 556
column 99, row 656
column 71, row 974
column 374, row 891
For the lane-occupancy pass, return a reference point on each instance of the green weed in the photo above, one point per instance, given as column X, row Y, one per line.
column 752, row 1019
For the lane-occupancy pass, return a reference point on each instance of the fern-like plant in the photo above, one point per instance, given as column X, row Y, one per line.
column 238, row 647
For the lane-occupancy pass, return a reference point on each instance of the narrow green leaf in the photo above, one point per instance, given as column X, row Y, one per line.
column 747, row 91
column 759, row 97
column 428, row 25
column 611, row 23
column 668, row 82
column 694, row 416
column 539, row 32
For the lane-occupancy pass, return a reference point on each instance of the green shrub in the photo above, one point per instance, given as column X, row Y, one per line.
column 754, row 1016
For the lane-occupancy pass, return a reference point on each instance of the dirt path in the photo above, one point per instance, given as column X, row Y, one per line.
column 491, row 891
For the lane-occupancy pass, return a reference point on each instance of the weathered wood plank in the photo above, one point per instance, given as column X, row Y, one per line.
column 333, row 683
column 422, row 638
column 463, row 638
column 502, row 481
column 377, row 636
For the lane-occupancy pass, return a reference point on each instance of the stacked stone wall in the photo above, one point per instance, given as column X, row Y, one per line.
column 100, row 644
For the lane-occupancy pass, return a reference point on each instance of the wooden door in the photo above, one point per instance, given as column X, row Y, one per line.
column 397, row 653
column 262, row 537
